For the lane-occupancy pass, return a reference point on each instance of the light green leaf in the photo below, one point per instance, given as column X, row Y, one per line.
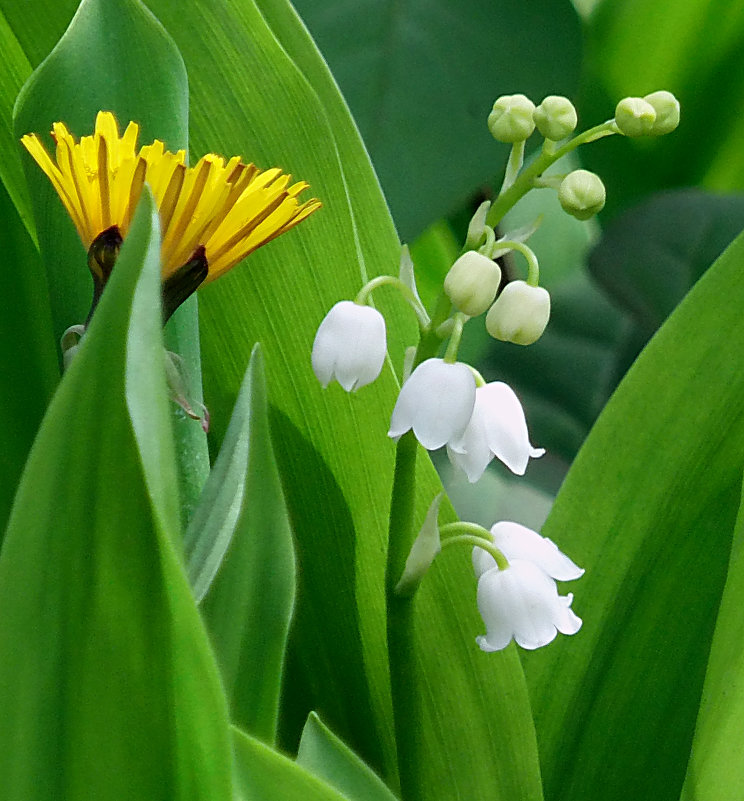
column 261, row 774
column 108, row 687
column 240, row 555
column 421, row 78
column 715, row 771
column 114, row 56
column 648, row 509
column 326, row 756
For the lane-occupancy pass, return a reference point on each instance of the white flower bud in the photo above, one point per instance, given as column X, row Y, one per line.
column 511, row 119
column 555, row 117
column 519, row 314
column 472, row 283
column 582, row 194
column 666, row 106
column 350, row 346
column 635, row 116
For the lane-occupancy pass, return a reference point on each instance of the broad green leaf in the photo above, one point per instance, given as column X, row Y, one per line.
column 325, row 756
column 113, row 56
column 262, row 774
column 108, row 686
column 276, row 104
column 239, row 551
column 715, row 771
column 421, row 78
column 698, row 59
column 27, row 351
column 648, row 508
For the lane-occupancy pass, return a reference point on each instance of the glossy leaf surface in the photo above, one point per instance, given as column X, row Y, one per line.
column 109, row 688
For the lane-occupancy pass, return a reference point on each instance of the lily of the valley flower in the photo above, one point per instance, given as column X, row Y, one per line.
column 497, row 428
column 436, row 402
column 522, row 602
column 212, row 215
column 349, row 346
column 516, row 541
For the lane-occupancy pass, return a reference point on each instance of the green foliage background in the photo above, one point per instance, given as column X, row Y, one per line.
column 108, row 667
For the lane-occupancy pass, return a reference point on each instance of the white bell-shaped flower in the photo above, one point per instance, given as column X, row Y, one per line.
column 519, row 542
column 522, row 603
column 497, row 428
column 436, row 402
column 350, row 346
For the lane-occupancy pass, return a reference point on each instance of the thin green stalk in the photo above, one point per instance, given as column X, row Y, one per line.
column 525, row 181
column 400, row 611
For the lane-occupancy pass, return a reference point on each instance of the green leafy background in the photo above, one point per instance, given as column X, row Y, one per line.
column 649, row 505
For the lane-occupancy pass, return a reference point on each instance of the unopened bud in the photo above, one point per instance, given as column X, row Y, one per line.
column 582, row 194
column 519, row 314
column 472, row 283
column 555, row 117
column 511, row 119
column 666, row 106
column 635, row 116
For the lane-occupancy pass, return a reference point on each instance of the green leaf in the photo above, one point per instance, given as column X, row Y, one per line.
column 16, row 70
column 240, row 555
column 420, row 80
column 108, row 687
column 326, row 756
column 261, row 774
column 715, row 771
column 27, row 351
column 648, row 508
column 113, row 56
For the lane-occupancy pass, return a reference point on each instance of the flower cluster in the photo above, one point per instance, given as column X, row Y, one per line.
column 445, row 402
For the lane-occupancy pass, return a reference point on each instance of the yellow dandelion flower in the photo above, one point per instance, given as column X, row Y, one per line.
column 212, row 215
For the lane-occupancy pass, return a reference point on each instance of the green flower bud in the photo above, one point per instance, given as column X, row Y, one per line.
column 511, row 118
column 635, row 116
column 666, row 106
column 520, row 313
column 555, row 117
column 582, row 194
column 472, row 283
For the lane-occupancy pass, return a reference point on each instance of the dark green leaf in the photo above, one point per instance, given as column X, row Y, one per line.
column 27, row 351
column 421, row 77
column 108, row 687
